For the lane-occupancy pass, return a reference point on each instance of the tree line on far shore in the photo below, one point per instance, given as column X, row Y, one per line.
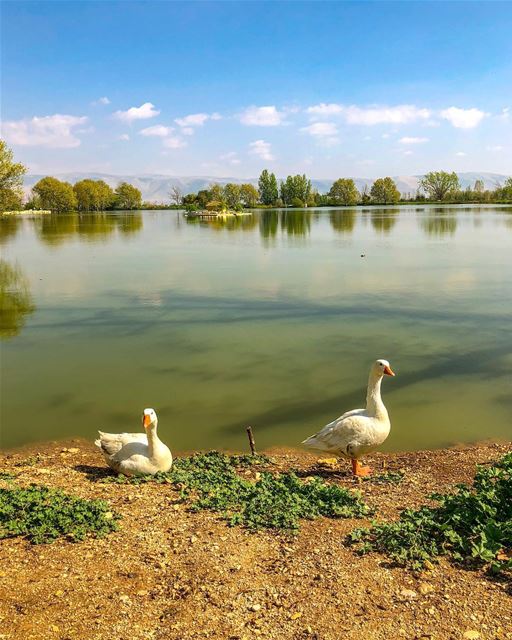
column 296, row 191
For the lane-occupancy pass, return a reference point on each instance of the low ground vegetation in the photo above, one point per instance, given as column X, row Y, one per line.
column 474, row 524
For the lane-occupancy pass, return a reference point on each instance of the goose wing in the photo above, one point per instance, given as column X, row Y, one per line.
column 336, row 435
column 112, row 443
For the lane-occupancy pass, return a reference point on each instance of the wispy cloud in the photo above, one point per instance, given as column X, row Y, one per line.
column 463, row 118
column 268, row 116
column 157, row 130
column 461, row 154
column 124, row 136
column 173, row 142
column 399, row 114
column 169, row 140
column 196, row 119
column 57, row 131
column 412, row 140
column 145, row 111
column 261, row 149
column 102, row 100
column 494, row 147
column 231, row 158
column 323, row 110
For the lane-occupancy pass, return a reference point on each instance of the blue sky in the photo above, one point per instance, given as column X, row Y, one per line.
column 228, row 88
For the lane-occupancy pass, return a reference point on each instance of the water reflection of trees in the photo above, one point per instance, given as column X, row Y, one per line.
column 269, row 223
column 58, row 228
column 16, row 301
column 229, row 223
column 296, row 223
column 383, row 220
column 343, row 220
column 439, row 223
column 9, row 226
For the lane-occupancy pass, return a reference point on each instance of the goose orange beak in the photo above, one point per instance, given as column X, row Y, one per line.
column 146, row 421
column 388, row 371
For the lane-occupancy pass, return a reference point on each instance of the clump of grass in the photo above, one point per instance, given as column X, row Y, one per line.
column 212, row 481
column 472, row 524
column 42, row 515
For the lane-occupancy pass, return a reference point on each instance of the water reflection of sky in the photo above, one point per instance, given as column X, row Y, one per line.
column 271, row 317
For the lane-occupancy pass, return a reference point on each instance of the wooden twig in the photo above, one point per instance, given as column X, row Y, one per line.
column 251, row 441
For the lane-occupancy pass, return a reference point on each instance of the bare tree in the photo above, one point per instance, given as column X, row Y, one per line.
column 176, row 195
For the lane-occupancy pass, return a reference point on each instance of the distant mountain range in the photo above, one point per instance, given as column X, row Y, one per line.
column 156, row 188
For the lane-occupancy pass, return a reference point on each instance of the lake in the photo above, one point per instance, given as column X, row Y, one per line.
column 270, row 320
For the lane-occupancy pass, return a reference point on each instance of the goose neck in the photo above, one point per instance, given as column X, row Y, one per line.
column 374, row 404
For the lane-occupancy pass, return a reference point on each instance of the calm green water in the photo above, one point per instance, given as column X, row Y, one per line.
column 271, row 320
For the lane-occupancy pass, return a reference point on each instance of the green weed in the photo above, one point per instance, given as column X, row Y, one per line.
column 42, row 515
column 212, row 481
column 472, row 524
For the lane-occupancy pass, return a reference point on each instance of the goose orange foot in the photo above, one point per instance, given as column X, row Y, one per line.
column 359, row 470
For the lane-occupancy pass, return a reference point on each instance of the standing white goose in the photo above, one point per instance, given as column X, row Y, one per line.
column 359, row 431
column 136, row 453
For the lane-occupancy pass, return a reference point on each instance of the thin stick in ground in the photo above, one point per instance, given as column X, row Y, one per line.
column 252, row 444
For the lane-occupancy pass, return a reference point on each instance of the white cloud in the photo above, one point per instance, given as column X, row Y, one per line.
column 505, row 114
column 321, row 129
column 57, row 131
column 268, row 116
column 325, row 132
column 400, row 114
column 261, row 149
column 157, row 130
column 103, row 100
column 145, row 111
column 494, row 147
column 193, row 120
column 385, row 136
column 187, row 131
column 174, row 142
column 408, row 153
column 412, row 140
column 124, row 136
column 463, row 118
column 231, row 158
column 461, row 154
column 323, row 109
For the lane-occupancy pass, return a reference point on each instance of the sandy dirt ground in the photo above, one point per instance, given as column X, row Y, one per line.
column 169, row 573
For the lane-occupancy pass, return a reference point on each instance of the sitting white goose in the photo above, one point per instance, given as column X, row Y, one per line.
column 136, row 453
column 359, row 431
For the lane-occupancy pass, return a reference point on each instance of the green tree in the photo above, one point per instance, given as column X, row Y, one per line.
column 439, row 184
column 384, row 191
column 295, row 187
column 93, row 195
column 216, row 192
column 232, row 194
column 249, row 195
column 11, row 179
column 127, row 196
column 479, row 186
column 203, row 196
column 55, row 195
column 267, row 185
column 344, row 191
